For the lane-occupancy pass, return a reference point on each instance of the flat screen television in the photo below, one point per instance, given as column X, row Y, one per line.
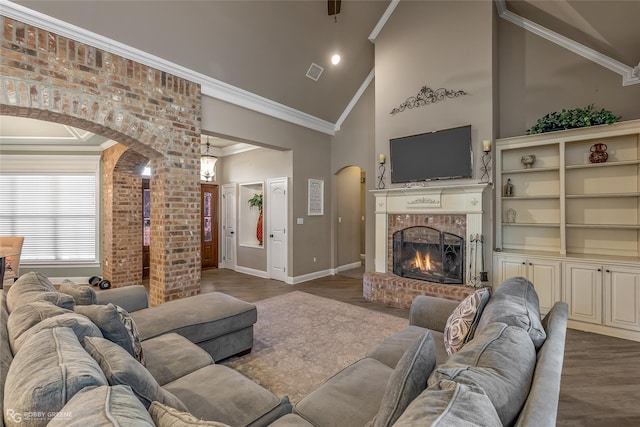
column 442, row 154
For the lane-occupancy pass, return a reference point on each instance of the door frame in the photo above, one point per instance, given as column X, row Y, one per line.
column 269, row 217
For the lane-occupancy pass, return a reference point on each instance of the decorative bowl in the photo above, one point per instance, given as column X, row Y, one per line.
column 528, row 160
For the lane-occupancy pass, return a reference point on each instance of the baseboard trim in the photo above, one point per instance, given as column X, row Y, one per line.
column 346, row 267
column 252, row 272
column 604, row 330
column 311, row 276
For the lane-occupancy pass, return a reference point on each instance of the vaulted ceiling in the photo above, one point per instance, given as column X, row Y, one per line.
column 265, row 47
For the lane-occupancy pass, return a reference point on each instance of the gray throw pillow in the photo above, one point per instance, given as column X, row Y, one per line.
column 121, row 368
column 515, row 302
column 407, row 381
column 83, row 295
column 32, row 287
column 461, row 324
column 49, row 371
column 103, row 407
column 165, row 416
column 80, row 325
column 447, row 403
column 500, row 360
column 116, row 325
column 26, row 316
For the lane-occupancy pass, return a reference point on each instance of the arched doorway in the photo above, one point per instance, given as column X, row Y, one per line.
column 350, row 220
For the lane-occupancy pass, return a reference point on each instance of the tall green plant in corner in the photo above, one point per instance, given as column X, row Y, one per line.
column 571, row 119
column 256, row 202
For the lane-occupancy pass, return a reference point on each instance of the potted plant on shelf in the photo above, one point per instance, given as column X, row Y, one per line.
column 256, row 202
column 571, row 119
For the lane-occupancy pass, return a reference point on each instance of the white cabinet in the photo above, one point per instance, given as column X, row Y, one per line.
column 543, row 273
column 607, row 295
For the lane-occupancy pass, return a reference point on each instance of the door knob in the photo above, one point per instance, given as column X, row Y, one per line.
column 271, row 235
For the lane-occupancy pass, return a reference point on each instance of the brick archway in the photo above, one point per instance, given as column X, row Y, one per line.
column 49, row 77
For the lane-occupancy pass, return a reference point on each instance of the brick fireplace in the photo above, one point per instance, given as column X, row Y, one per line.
column 453, row 210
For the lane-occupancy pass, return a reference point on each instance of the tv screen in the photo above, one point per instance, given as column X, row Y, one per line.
column 436, row 155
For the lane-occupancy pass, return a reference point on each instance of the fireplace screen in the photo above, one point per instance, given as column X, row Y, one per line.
column 425, row 253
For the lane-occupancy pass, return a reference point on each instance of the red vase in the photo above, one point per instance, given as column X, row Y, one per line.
column 259, row 229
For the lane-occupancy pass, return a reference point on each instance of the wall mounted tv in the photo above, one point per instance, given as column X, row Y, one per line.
column 442, row 154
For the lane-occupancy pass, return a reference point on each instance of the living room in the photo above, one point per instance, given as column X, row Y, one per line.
column 511, row 78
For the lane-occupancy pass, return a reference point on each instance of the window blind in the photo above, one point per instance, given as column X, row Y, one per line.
column 55, row 209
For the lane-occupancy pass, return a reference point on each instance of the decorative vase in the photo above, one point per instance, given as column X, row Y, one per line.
column 511, row 215
column 528, row 160
column 508, row 189
column 598, row 153
column 259, row 229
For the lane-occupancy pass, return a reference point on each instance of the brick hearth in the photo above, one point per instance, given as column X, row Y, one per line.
column 389, row 289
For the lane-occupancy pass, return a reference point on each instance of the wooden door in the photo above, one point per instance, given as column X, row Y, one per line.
column 277, row 218
column 209, row 225
column 146, row 227
column 229, row 192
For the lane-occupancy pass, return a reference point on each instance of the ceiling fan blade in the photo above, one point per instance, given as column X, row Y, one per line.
column 333, row 7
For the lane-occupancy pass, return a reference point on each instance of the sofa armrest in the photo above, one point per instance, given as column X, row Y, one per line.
column 131, row 298
column 431, row 312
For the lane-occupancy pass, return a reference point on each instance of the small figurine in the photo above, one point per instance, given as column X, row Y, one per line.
column 508, row 189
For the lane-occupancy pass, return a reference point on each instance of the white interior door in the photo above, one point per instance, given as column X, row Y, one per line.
column 229, row 219
column 277, row 208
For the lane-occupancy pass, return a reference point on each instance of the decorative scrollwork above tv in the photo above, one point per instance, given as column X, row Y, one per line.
column 425, row 96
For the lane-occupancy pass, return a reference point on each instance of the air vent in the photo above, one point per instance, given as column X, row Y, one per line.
column 315, row 71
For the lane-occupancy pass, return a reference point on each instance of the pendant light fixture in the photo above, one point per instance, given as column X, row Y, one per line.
column 208, row 164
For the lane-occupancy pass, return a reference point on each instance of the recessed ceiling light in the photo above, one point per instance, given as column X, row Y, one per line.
column 335, row 59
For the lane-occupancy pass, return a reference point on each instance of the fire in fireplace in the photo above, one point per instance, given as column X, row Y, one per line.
column 425, row 253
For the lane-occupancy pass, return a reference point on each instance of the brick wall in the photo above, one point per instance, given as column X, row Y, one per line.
column 156, row 115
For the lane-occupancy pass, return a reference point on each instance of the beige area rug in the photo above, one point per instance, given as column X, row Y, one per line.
column 300, row 340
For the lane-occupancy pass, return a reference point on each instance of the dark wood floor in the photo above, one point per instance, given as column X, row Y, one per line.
column 601, row 376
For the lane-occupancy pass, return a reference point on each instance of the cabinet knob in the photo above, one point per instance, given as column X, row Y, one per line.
column 608, row 271
column 524, row 263
column 599, row 269
column 530, row 263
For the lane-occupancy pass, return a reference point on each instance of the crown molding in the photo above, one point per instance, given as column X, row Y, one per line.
column 356, row 98
column 383, row 20
column 630, row 75
column 210, row 86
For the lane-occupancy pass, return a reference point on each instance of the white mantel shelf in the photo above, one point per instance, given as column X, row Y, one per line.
column 463, row 198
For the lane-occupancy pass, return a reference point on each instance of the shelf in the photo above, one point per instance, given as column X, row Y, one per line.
column 601, row 196
column 606, row 226
column 530, row 224
column 603, row 165
column 530, row 170
column 546, row 197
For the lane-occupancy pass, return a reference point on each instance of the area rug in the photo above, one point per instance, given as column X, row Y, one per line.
column 301, row 340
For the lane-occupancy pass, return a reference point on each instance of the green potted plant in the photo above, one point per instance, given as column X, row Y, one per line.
column 574, row 118
column 256, row 202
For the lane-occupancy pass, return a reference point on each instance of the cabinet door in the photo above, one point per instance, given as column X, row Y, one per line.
column 583, row 291
column 509, row 266
column 545, row 276
column 622, row 297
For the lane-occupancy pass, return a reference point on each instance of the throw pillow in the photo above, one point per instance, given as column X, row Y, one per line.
column 83, row 295
column 103, row 406
column 32, row 287
column 116, row 325
column 408, row 380
column 165, row 416
column 121, row 368
column 462, row 323
column 450, row 404
column 49, row 371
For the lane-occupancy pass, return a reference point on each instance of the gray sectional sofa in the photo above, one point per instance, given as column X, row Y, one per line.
column 507, row 373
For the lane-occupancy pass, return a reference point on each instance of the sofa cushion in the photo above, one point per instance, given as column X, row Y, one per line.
column 447, row 403
column 408, row 380
column 29, row 315
column 462, row 323
column 116, row 325
column 515, row 302
column 350, row 398
column 172, row 356
column 80, row 325
column 238, row 400
column 165, row 416
column 500, row 360
column 6, row 356
column 121, row 368
column 83, row 295
column 51, row 368
column 31, row 287
column 393, row 348
column 103, row 407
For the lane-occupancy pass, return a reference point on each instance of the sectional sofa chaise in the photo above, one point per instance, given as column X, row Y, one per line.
column 79, row 357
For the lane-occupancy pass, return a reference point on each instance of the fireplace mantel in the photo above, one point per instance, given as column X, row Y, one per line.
column 465, row 199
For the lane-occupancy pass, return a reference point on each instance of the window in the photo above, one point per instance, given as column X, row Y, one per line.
column 51, row 201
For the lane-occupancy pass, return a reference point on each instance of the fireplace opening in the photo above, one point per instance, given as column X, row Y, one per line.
column 425, row 253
